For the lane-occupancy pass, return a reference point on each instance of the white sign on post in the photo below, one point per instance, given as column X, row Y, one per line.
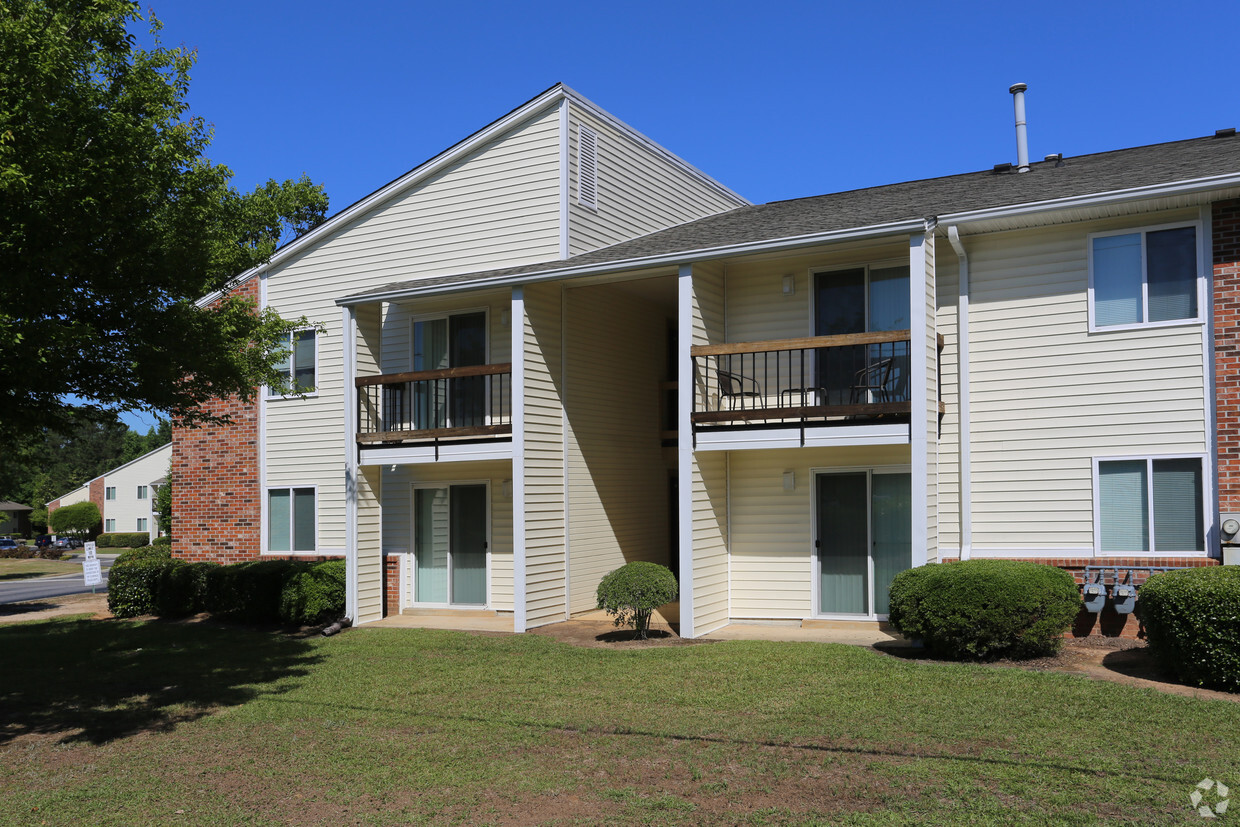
column 91, row 573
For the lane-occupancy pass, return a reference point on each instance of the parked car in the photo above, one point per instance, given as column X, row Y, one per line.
column 43, row 541
column 68, row 542
column 7, row 544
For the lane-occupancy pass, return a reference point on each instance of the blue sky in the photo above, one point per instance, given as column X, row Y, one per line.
column 777, row 100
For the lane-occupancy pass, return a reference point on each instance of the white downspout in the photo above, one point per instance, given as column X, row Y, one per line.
column 962, row 394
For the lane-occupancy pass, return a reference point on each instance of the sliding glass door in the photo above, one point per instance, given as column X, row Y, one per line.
column 455, row 341
column 864, row 539
column 862, row 300
column 450, row 545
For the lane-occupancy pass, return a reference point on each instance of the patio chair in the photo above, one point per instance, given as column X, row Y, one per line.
column 874, row 379
column 734, row 386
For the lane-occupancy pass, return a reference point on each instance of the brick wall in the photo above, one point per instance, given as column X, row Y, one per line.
column 391, row 585
column 216, row 499
column 96, row 496
column 1225, row 216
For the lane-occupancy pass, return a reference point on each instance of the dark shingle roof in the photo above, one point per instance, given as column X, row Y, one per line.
column 913, row 200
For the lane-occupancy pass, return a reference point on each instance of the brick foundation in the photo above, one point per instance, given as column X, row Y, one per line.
column 1108, row 622
column 391, row 585
column 216, row 501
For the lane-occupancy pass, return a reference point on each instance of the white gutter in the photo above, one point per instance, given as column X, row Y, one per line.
column 965, row 462
column 664, row 259
column 1188, row 187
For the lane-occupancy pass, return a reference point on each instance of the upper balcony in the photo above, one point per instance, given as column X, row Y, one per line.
column 430, row 406
column 818, row 381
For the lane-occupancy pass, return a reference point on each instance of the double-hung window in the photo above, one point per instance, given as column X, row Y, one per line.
column 299, row 364
column 1147, row 277
column 1148, row 504
column 109, row 526
column 141, row 524
column 142, row 492
column 290, row 519
column 109, row 493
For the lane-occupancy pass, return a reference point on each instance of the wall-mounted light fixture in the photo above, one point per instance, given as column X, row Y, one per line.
column 505, row 318
column 790, row 480
column 790, row 285
column 507, row 489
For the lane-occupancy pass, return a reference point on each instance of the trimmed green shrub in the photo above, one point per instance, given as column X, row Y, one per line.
column 1192, row 621
column 162, row 540
column 314, row 595
column 17, row 552
column 982, row 609
column 142, row 553
column 123, row 539
column 182, row 590
column 77, row 518
column 632, row 592
column 132, row 587
column 250, row 591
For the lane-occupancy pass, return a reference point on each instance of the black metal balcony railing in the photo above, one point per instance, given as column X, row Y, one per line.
column 433, row 404
column 859, row 376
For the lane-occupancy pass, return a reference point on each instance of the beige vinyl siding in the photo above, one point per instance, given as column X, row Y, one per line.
column 930, row 397
column 618, row 484
column 757, row 308
column 398, row 505
column 369, row 545
column 545, row 529
column 77, row 495
column 497, row 207
column 947, row 281
column 709, row 472
column 398, row 325
column 639, row 189
column 772, row 554
column 1048, row 395
column 127, row 509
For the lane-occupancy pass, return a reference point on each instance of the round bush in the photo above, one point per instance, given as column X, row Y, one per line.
column 142, row 553
column 162, row 540
column 314, row 595
column 630, row 593
column 1192, row 621
column 133, row 586
column 981, row 609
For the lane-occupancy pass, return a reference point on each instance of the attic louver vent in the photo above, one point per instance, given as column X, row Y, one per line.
column 587, row 167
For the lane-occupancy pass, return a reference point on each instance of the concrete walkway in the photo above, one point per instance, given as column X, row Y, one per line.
column 598, row 623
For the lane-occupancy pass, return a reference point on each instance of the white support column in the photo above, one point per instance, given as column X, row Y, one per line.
column 918, row 431
column 517, row 332
column 684, row 444
column 964, row 451
column 348, row 327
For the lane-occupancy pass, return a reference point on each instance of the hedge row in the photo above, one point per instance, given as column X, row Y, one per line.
column 983, row 609
column 1192, row 621
column 148, row 581
column 23, row 552
column 123, row 539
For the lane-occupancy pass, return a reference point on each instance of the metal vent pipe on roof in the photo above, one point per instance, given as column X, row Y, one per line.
column 1022, row 137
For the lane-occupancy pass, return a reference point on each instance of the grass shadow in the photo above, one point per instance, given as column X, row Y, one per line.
column 15, row 609
column 629, row 636
column 94, row 682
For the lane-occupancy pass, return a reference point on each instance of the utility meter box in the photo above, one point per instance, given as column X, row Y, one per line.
column 1124, row 598
column 1095, row 596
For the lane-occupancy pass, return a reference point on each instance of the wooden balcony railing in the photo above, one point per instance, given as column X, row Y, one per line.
column 818, row 379
column 431, row 405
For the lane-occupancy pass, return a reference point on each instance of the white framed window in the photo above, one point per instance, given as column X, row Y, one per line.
column 141, row 524
column 301, row 365
column 1149, row 504
column 109, row 526
column 142, row 492
column 290, row 519
column 1146, row 277
column 109, row 493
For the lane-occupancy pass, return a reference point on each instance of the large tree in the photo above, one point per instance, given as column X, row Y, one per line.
column 113, row 223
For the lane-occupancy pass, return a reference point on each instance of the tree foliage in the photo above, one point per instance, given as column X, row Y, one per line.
column 115, row 224
column 78, row 518
column 163, row 503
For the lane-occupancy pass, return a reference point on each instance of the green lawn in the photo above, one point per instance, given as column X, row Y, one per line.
column 157, row 723
column 34, row 567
